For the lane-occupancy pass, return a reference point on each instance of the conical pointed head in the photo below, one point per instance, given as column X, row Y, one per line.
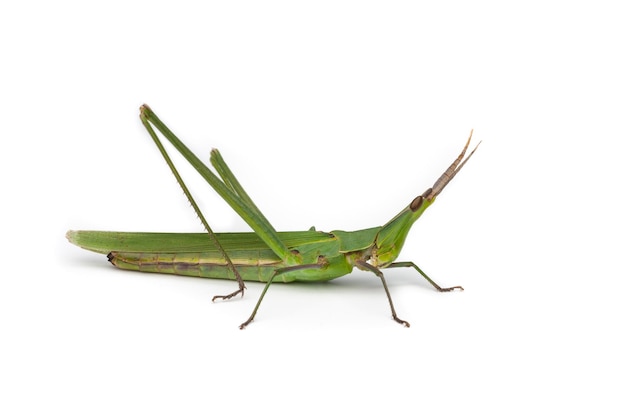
column 393, row 234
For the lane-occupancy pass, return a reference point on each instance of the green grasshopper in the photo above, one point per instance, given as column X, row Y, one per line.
column 265, row 255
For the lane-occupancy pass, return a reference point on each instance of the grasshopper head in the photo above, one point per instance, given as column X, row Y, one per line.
column 392, row 235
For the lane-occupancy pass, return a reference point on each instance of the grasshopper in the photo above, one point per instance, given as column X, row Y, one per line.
column 264, row 255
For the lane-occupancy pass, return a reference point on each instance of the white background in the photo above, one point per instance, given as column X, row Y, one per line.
column 334, row 114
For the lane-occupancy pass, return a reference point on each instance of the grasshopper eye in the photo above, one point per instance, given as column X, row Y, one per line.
column 417, row 203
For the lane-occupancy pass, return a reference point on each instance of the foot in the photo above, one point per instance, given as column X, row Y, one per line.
column 229, row 296
column 402, row 322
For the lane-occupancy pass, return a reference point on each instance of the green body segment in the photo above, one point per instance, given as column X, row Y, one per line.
column 193, row 254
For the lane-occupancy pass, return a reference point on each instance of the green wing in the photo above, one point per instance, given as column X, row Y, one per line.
column 109, row 241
